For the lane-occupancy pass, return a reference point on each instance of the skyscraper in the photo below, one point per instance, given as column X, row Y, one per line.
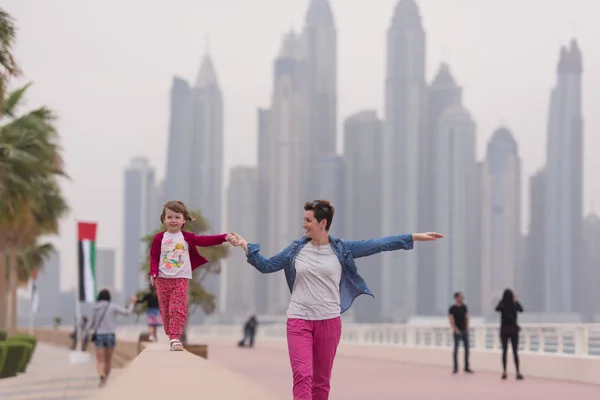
column 319, row 47
column 363, row 132
column 501, row 218
column 176, row 185
column 443, row 93
column 587, row 277
column 262, row 212
column 405, row 102
column 455, row 177
column 239, row 275
column 105, row 269
column 286, row 130
column 331, row 187
column 534, row 271
column 206, row 146
column 194, row 172
column 564, row 176
column 142, row 213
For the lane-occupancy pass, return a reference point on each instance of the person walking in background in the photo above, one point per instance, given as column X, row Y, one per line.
column 323, row 279
column 458, row 314
column 173, row 257
column 508, row 308
column 103, row 327
column 153, row 318
column 249, row 332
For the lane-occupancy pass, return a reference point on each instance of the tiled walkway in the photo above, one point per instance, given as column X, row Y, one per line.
column 50, row 376
column 357, row 378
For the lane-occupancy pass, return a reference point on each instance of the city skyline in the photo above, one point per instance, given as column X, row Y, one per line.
column 466, row 82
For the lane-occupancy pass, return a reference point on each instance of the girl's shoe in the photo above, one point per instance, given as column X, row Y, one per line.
column 504, row 376
column 176, row 345
column 519, row 377
column 102, row 381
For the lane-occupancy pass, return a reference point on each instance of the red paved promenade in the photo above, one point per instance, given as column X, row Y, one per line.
column 357, row 378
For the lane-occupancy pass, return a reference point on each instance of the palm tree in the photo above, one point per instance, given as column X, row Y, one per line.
column 30, row 259
column 32, row 202
column 198, row 297
column 7, row 38
column 7, row 61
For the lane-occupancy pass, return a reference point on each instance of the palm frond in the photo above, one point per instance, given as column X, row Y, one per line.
column 13, row 101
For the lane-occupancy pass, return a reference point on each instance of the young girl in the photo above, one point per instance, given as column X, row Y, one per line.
column 173, row 257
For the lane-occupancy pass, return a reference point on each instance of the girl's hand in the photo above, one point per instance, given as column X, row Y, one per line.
column 426, row 237
column 153, row 280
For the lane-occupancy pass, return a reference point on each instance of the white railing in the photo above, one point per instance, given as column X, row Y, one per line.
column 560, row 339
column 581, row 340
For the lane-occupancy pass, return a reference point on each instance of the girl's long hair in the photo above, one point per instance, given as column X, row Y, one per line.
column 508, row 302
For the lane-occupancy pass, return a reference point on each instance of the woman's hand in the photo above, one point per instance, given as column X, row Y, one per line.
column 133, row 299
column 238, row 241
column 426, row 237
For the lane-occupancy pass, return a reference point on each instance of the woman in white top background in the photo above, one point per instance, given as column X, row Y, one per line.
column 323, row 280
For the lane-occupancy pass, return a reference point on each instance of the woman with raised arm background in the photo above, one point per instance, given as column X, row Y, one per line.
column 323, row 279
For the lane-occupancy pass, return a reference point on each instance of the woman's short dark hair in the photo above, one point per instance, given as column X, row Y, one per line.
column 322, row 209
column 104, row 295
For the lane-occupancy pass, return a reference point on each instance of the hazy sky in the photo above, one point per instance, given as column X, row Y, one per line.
column 106, row 68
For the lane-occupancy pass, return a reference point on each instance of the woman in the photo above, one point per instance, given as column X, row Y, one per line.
column 153, row 318
column 103, row 327
column 508, row 308
column 324, row 281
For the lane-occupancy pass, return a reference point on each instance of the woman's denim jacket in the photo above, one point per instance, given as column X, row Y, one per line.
column 351, row 284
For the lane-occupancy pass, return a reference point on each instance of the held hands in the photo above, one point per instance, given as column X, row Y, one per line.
column 426, row 237
column 236, row 240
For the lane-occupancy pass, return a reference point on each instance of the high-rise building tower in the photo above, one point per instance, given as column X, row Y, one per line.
column 206, row 145
column 564, row 177
column 319, row 44
column 363, row 132
column 533, row 271
column 500, row 219
column 194, row 171
column 287, row 130
column 239, row 275
column 443, row 93
column 455, row 177
column 142, row 217
column 405, row 116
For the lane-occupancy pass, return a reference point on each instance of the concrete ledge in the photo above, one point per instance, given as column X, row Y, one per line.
column 158, row 373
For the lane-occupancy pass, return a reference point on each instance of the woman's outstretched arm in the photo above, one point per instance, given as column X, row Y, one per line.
column 365, row 248
column 257, row 260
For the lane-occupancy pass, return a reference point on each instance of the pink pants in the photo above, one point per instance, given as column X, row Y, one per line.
column 172, row 300
column 312, row 346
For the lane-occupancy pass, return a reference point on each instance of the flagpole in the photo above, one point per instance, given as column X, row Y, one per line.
column 31, row 311
column 34, row 302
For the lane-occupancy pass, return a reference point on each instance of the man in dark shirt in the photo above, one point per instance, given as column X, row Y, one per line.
column 459, row 322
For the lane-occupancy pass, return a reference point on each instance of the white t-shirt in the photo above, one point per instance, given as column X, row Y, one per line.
column 316, row 291
column 174, row 257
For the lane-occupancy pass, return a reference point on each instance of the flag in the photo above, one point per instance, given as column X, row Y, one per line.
column 87, row 261
column 35, row 298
